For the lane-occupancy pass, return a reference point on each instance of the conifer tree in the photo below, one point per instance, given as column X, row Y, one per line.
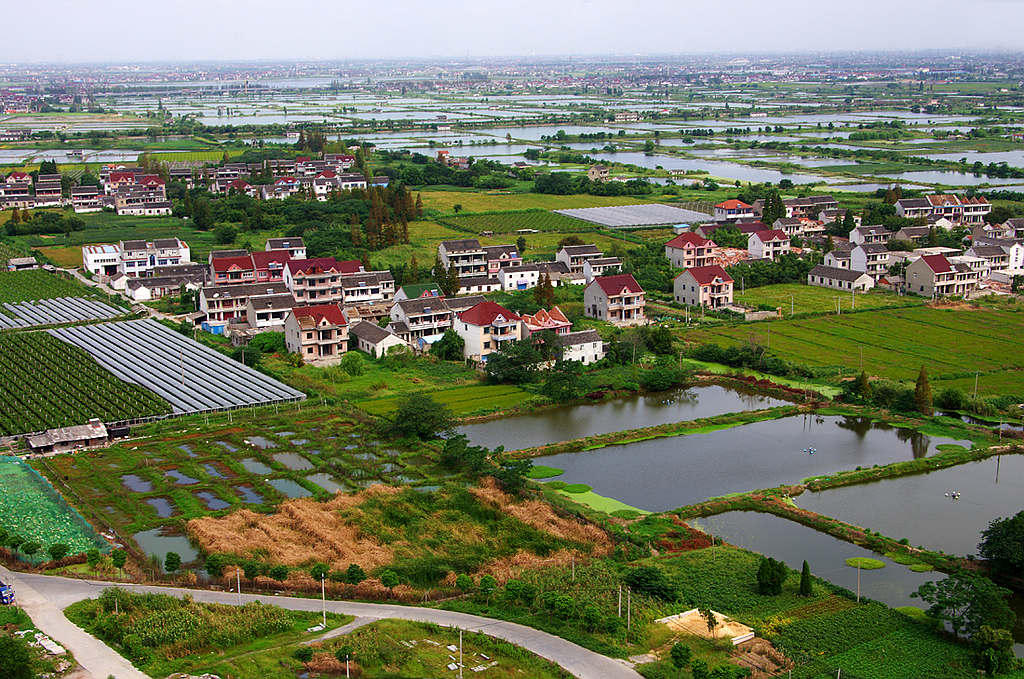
column 923, row 394
column 805, row 580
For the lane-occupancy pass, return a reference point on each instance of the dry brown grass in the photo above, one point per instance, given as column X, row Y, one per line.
column 300, row 532
column 542, row 516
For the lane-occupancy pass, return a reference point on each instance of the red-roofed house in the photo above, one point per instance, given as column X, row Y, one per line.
column 936, row 276
column 318, row 333
column 707, row 286
column 316, row 280
column 269, row 266
column 485, row 327
column 232, row 270
column 617, row 299
column 730, row 210
column 770, row 244
column 553, row 320
column 688, row 250
column 19, row 177
column 116, row 180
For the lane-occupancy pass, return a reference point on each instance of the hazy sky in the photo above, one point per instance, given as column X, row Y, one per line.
column 187, row 30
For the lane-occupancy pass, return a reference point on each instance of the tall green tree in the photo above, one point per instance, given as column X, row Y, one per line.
column 15, row 661
column 805, row 580
column 967, row 601
column 923, row 394
column 1002, row 545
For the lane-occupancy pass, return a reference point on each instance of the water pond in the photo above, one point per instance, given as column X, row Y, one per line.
column 293, row 461
column 665, row 473
column 180, row 478
column 261, row 442
column 631, row 412
column 157, row 542
column 248, row 495
column 162, row 506
column 254, row 466
column 917, row 507
column 136, row 484
column 327, row 482
column 289, row 488
column 211, row 501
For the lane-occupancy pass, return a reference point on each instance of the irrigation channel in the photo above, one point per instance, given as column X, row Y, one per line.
column 665, row 473
column 565, row 423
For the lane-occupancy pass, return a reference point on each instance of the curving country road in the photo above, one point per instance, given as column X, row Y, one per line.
column 46, row 596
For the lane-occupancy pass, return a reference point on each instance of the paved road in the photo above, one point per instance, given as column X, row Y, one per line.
column 62, row 592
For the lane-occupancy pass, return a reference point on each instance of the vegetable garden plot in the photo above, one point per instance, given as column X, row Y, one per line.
column 36, row 284
column 191, row 377
column 48, row 383
column 54, row 311
column 32, row 509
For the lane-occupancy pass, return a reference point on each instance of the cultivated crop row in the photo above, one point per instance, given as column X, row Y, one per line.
column 34, row 284
column 508, row 222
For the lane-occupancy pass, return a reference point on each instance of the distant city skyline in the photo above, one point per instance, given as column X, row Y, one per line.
column 190, row 30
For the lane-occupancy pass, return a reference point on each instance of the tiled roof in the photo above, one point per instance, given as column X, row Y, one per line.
column 319, row 312
column 836, row 273
column 705, row 275
column 614, row 285
column 938, row 263
column 684, row 240
column 733, row 204
column 222, row 264
column 485, row 313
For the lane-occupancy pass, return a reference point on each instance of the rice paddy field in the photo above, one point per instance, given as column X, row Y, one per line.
column 952, row 343
column 798, row 298
column 30, row 508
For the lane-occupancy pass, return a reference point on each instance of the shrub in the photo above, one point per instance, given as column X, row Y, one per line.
column 303, row 654
column 464, row 582
column 680, row 655
column 58, row 551
column 352, row 363
column 770, row 576
column 279, row 572
column 652, row 581
column 354, row 574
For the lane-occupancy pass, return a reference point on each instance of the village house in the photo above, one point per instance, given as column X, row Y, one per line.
column 501, row 257
column 86, row 199
column 1013, row 248
column 598, row 173
column 318, row 333
column 373, row 339
column 706, row 286
column 367, row 287
column 486, row 328
column 22, row 263
column 412, row 319
column 829, row 215
column 839, row 256
column 227, row 267
column 139, row 256
column 295, row 247
column 688, row 250
column 268, row 312
column 599, row 266
column 731, row 210
column 913, row 234
column 573, row 256
column 65, row 439
column 770, row 244
column 617, row 299
column 553, row 320
column 318, row 280
column 870, row 234
column 791, row 226
column 958, row 210
column 466, row 255
column 101, row 260
column 870, row 258
column 145, row 289
column 839, row 279
column 584, row 346
column 417, row 290
column 996, row 258
column 478, row 285
column 936, row 276
column 221, row 305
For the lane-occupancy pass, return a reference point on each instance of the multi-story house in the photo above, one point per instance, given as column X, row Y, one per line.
column 139, row 256
column 936, row 276
column 584, row 346
column 617, row 299
column 573, row 256
column 770, row 244
column 996, row 258
column 688, row 250
column 704, row 286
column 732, row 209
column 870, row 234
column 224, row 304
column 553, row 320
column 412, row 319
column 958, row 210
column 317, row 333
column 295, row 247
column 870, row 258
column 501, row 257
column 229, row 268
column 600, row 266
column 268, row 312
column 101, row 260
column 809, row 206
column 486, row 328
column 368, row 287
column 86, row 199
column 466, row 255
column 318, row 281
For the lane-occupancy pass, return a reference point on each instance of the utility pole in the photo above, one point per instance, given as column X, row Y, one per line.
column 791, row 305
column 574, row 567
column 460, row 654
column 975, row 385
column 323, row 597
column 620, row 600
column 238, row 584
column 858, row 582
column 629, row 608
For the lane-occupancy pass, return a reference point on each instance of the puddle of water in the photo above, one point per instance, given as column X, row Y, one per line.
column 180, row 478
column 155, row 543
column 213, row 471
column 227, row 446
column 187, row 449
column 285, row 434
column 254, row 466
column 299, row 442
column 248, row 495
column 293, row 461
column 136, row 484
column 289, row 488
column 162, row 505
column 211, row 501
column 327, row 482
column 262, row 442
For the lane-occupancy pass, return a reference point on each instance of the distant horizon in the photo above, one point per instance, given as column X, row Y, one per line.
column 194, row 31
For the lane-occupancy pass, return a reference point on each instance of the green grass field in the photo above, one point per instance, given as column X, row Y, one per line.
column 509, row 222
column 24, row 286
column 475, row 201
column 951, row 343
column 460, row 400
column 809, row 299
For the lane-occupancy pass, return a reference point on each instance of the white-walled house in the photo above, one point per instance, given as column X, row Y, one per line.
column 770, row 244
column 706, row 286
column 319, row 333
column 617, row 299
column 374, row 339
column 584, row 346
column 486, row 328
column 839, row 279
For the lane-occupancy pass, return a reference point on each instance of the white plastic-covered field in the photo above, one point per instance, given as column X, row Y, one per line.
column 54, row 311
column 191, row 377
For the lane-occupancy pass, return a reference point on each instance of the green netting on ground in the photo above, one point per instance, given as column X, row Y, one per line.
column 32, row 509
